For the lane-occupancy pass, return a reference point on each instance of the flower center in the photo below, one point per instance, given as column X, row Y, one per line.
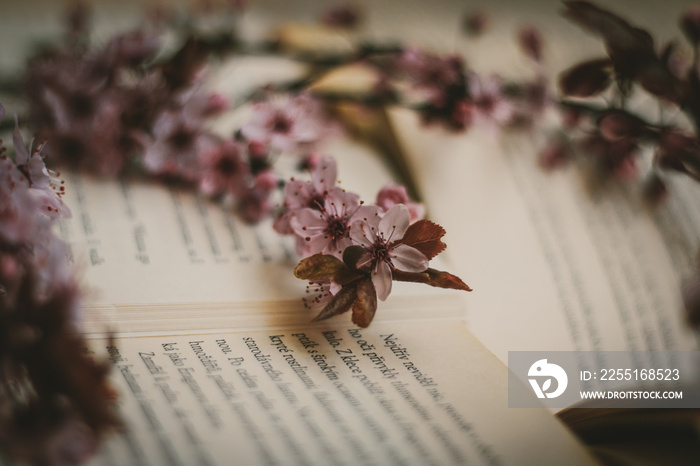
column 227, row 166
column 281, row 124
column 337, row 228
column 380, row 251
column 317, row 202
column 182, row 138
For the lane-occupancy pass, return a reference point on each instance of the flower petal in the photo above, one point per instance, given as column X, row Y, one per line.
column 323, row 178
column 381, row 277
column 394, row 223
column 409, row 259
column 306, row 222
column 362, row 234
column 21, row 154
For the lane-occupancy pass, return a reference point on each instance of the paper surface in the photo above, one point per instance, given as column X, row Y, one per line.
column 554, row 266
column 397, row 393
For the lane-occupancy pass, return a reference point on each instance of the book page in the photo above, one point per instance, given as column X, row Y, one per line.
column 554, row 265
column 396, row 393
column 154, row 257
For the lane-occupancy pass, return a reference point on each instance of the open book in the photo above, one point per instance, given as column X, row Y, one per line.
column 216, row 359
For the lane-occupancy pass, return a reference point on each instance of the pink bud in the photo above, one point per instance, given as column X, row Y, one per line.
column 216, row 103
column 257, row 149
column 475, row 23
column 530, row 41
column 266, row 180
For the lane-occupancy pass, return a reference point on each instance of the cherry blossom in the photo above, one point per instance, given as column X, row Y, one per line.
column 300, row 194
column 383, row 251
column 327, row 230
column 294, row 125
column 44, row 184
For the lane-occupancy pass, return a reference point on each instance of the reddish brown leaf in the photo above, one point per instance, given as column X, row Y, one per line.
column 365, row 306
column 431, row 277
column 324, row 267
column 425, row 235
column 352, row 254
column 587, row 78
column 339, row 304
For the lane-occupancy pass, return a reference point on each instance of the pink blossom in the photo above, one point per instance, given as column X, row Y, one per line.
column 223, row 170
column 431, row 71
column 293, row 126
column 177, row 145
column 319, row 293
column 489, row 104
column 254, row 204
column 300, row 194
column 393, row 194
column 44, row 184
column 327, row 230
column 379, row 237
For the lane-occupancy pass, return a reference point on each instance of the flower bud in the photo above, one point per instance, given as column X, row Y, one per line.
column 530, row 41
column 475, row 23
column 615, row 125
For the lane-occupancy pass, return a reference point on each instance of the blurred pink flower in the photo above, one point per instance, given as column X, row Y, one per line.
column 393, row 194
column 296, row 125
column 223, row 170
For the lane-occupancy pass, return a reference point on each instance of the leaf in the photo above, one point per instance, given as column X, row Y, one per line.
column 425, row 235
column 546, row 385
column 318, row 267
column 339, row 304
column 619, row 35
column 431, row 277
column 352, row 254
column 586, row 79
column 630, row 48
column 365, row 306
column 325, row 267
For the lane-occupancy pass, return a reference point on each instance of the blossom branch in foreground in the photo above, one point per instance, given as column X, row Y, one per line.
column 386, row 248
column 55, row 400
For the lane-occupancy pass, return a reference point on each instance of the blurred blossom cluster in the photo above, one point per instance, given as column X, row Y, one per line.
column 599, row 124
column 445, row 91
column 55, row 401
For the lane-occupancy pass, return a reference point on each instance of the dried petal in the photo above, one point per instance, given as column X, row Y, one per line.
column 365, row 306
column 425, row 235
